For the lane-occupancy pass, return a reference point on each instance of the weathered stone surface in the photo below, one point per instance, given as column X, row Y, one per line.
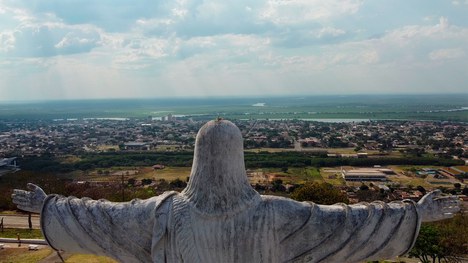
column 220, row 218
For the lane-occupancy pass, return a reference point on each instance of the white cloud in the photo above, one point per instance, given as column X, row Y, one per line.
column 458, row 2
column 330, row 31
column 51, row 39
column 411, row 44
column 78, row 41
column 44, row 35
column 301, row 11
column 137, row 52
column 7, row 41
column 188, row 47
column 451, row 53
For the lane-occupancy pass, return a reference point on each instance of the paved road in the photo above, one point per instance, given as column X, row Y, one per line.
column 19, row 221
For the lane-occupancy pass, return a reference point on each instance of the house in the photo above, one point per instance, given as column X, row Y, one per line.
column 158, row 167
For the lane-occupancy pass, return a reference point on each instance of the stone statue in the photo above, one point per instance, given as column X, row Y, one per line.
column 219, row 217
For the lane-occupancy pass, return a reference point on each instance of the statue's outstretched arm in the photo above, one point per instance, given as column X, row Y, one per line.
column 30, row 201
column 434, row 206
column 359, row 232
column 123, row 231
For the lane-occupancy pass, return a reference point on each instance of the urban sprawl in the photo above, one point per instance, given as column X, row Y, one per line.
column 327, row 140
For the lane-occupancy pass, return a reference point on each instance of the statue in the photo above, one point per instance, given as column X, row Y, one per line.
column 219, row 217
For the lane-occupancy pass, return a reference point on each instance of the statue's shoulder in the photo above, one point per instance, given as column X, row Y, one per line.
column 285, row 204
column 286, row 209
column 162, row 198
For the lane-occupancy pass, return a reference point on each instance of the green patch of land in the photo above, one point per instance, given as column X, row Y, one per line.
column 79, row 258
column 23, row 255
column 114, row 174
column 23, row 233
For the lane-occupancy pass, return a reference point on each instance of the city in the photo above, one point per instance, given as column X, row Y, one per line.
column 404, row 155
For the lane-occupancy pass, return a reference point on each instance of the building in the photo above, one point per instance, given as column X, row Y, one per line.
column 136, row 146
column 170, row 117
column 8, row 165
column 364, row 174
column 158, row 167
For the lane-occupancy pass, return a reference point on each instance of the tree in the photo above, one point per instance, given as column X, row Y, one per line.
column 421, row 189
column 444, row 241
column 320, row 193
column 363, row 187
column 177, row 183
column 146, row 181
column 131, row 182
column 277, row 186
column 427, row 246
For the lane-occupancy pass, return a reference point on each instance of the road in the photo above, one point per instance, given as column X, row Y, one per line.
column 19, row 221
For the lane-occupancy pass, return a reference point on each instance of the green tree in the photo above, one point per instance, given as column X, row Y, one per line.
column 277, row 186
column 427, row 246
column 320, row 193
column 443, row 241
column 177, row 183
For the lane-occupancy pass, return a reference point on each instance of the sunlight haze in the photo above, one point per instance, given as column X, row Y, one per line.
column 189, row 48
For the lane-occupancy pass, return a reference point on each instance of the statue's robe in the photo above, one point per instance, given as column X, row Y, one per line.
column 168, row 228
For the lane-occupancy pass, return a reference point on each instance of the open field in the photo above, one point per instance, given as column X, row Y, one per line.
column 23, row 233
column 22, row 254
column 79, row 258
column 14, row 254
column 138, row 173
column 332, row 176
column 293, row 175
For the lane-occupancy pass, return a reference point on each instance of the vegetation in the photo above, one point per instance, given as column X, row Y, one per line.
column 252, row 160
column 78, row 258
column 52, row 183
column 409, row 107
column 23, row 255
column 443, row 241
column 320, row 193
column 23, row 233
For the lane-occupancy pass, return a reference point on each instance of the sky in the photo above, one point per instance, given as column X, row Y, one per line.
column 87, row 49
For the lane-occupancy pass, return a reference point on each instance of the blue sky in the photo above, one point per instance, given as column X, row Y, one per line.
column 64, row 49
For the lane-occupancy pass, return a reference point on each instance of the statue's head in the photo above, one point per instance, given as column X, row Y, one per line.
column 218, row 182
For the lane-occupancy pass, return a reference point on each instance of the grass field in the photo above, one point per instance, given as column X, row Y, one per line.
column 332, row 176
column 404, row 175
column 138, row 173
column 24, row 233
column 78, row 258
column 14, row 254
column 296, row 175
column 23, row 255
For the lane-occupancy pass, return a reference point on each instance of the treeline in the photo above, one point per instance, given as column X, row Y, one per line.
column 295, row 159
column 184, row 159
column 106, row 160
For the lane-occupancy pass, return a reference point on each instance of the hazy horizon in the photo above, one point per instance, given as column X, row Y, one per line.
column 240, row 97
